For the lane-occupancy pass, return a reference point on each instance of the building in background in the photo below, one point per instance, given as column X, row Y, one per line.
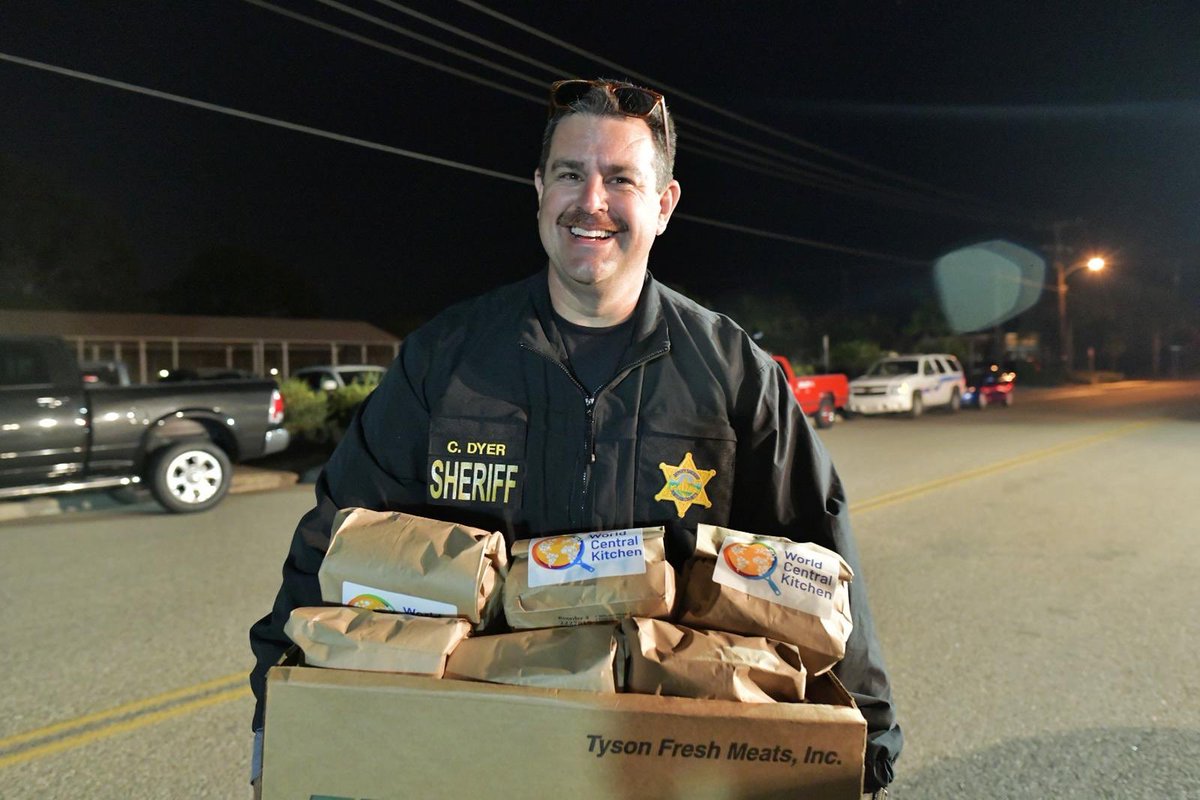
column 151, row 343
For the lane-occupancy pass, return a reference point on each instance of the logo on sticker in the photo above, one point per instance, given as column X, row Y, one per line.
column 755, row 561
column 375, row 599
column 371, row 601
column 788, row 573
column 685, row 484
column 560, row 552
column 561, row 559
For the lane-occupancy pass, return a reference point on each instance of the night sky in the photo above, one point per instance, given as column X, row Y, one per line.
column 992, row 119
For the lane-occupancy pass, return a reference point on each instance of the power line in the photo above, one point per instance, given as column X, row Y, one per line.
column 785, row 237
column 836, row 182
column 763, row 166
column 278, row 123
column 419, row 37
column 829, row 153
column 388, row 48
column 558, row 72
column 429, row 159
column 687, row 121
column 437, row 23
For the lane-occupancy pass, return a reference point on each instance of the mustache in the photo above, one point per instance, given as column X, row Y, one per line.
column 577, row 218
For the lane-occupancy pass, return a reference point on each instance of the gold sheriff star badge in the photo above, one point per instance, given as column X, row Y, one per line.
column 685, row 485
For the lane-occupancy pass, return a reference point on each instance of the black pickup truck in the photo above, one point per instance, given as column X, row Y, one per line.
column 58, row 434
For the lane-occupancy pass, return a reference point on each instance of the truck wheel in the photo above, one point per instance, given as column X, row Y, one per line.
column 918, row 405
column 955, row 401
column 826, row 413
column 190, row 476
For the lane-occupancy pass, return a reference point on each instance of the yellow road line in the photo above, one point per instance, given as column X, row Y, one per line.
column 80, row 739
column 901, row 495
column 119, row 711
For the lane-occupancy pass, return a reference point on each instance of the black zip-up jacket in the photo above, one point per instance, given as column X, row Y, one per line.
column 481, row 421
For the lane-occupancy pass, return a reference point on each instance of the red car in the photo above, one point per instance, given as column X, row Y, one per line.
column 819, row 396
column 990, row 387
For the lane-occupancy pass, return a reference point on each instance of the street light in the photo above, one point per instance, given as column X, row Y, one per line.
column 1093, row 264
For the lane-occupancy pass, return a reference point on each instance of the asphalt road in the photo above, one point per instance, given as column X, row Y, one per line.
column 1032, row 571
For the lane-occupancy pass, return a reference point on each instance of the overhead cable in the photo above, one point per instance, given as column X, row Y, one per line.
column 437, row 23
column 829, row 153
column 785, row 237
column 424, row 157
column 772, row 169
column 559, row 72
column 562, row 72
column 512, row 73
column 278, row 123
column 836, row 181
column 428, row 62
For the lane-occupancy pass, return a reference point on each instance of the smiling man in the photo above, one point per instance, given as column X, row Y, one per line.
column 603, row 197
column 590, row 397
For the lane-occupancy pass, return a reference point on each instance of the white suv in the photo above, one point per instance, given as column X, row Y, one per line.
column 328, row 378
column 908, row 385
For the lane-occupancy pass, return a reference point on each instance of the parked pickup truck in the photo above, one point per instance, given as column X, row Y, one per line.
column 59, row 434
column 820, row 396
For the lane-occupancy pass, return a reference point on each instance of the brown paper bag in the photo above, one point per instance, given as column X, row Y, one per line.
column 594, row 577
column 788, row 591
column 358, row 638
column 390, row 561
column 670, row 659
column 582, row 657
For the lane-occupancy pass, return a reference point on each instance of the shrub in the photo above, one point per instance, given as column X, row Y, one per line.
column 955, row 345
column 343, row 402
column 854, row 356
column 304, row 410
column 1049, row 374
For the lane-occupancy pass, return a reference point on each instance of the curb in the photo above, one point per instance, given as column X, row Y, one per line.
column 256, row 479
column 245, row 481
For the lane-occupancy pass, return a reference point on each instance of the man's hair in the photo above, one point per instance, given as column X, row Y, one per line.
column 600, row 103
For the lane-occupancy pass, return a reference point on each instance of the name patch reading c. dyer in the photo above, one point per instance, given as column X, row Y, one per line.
column 475, row 463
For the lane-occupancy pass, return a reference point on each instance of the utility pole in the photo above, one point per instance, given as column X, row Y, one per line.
column 1066, row 347
column 1060, row 271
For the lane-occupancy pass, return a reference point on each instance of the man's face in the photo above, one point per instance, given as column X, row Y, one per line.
column 598, row 208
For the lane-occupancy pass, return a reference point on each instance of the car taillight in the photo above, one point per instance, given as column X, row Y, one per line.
column 275, row 412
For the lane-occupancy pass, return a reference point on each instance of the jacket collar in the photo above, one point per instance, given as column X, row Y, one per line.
column 651, row 336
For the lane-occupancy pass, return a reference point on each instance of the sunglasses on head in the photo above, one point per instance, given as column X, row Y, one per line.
column 633, row 101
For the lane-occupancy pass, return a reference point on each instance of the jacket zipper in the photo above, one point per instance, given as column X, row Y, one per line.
column 589, row 403
column 589, row 409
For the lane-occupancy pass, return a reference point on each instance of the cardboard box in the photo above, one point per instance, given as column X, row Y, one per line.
column 376, row 736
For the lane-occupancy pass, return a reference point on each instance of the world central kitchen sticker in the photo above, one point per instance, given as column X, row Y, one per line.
column 788, row 573
column 360, row 596
column 579, row 557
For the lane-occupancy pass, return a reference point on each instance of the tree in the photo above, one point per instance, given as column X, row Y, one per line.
column 853, row 356
column 776, row 320
column 58, row 250
column 926, row 324
column 235, row 281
